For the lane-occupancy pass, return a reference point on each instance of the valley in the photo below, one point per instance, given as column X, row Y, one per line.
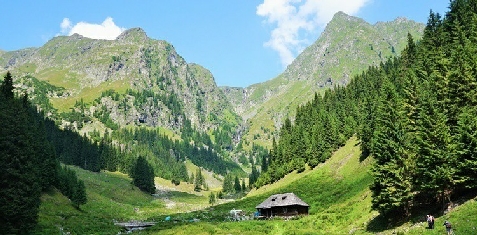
column 372, row 125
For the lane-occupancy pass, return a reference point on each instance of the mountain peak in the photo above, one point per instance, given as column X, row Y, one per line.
column 133, row 34
column 341, row 16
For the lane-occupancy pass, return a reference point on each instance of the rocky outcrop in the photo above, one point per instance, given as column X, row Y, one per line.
column 131, row 61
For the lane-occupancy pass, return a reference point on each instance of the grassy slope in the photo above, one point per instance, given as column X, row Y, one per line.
column 110, row 197
column 337, row 192
column 340, row 201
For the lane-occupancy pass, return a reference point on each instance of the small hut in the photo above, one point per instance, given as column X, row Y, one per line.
column 287, row 204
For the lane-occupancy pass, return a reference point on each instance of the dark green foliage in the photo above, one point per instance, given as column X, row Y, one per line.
column 252, row 178
column 142, row 174
column 413, row 114
column 20, row 190
column 70, row 186
column 79, row 194
column 228, row 185
column 73, row 149
column 212, row 198
column 7, row 86
column 393, row 169
column 199, row 180
column 27, row 161
column 237, row 186
column 466, row 149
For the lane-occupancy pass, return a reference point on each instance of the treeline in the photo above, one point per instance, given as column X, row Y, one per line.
column 28, row 163
column 119, row 149
column 174, row 151
column 320, row 127
column 415, row 115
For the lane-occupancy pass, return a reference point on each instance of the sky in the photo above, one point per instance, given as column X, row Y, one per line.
column 242, row 42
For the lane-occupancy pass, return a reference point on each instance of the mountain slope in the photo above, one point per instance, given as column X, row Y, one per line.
column 347, row 46
column 340, row 203
column 87, row 67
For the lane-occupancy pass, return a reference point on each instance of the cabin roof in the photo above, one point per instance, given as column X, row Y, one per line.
column 278, row 200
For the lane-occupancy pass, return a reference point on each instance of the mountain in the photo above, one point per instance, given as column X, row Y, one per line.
column 134, row 80
column 347, row 46
column 84, row 68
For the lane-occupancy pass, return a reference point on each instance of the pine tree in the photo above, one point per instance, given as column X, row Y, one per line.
column 20, row 189
column 237, row 186
column 228, row 185
column 79, row 195
column 466, row 149
column 212, row 198
column 7, row 86
column 392, row 171
column 143, row 175
column 199, row 180
column 436, row 162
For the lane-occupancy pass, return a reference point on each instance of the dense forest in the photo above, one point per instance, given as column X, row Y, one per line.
column 415, row 115
column 29, row 163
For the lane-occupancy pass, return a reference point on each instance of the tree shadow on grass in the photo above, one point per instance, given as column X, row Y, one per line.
column 384, row 222
column 393, row 220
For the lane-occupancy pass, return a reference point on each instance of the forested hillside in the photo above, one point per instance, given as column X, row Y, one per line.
column 414, row 114
column 29, row 164
column 109, row 89
column 347, row 46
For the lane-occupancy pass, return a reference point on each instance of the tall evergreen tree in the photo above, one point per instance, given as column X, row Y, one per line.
column 237, row 185
column 466, row 149
column 20, row 189
column 143, row 175
column 7, row 86
column 79, row 194
column 199, row 180
column 436, row 162
column 392, row 171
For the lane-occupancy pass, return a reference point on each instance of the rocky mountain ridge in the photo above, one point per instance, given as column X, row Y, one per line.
column 347, row 46
column 130, row 62
column 176, row 90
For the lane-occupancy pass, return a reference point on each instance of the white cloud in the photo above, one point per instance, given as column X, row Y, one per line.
column 65, row 25
column 294, row 18
column 106, row 30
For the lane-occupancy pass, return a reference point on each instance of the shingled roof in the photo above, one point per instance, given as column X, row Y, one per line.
column 277, row 200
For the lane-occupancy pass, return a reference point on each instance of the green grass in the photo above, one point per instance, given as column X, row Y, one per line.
column 111, row 197
column 88, row 94
column 340, row 203
column 337, row 192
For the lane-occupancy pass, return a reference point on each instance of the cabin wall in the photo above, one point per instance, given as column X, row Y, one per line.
column 284, row 211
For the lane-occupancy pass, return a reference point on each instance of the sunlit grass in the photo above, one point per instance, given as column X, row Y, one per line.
column 337, row 192
column 88, row 94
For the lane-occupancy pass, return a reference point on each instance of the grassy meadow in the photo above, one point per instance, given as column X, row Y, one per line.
column 337, row 192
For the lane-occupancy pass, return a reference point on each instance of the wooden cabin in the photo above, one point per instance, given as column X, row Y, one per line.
column 287, row 204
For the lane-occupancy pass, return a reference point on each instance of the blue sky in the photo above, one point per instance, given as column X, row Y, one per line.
column 240, row 42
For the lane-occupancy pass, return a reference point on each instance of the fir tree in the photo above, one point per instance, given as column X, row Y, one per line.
column 212, row 198
column 20, row 189
column 228, row 185
column 199, row 180
column 237, row 186
column 79, row 195
column 392, row 171
column 143, row 175
column 7, row 86
column 466, row 149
